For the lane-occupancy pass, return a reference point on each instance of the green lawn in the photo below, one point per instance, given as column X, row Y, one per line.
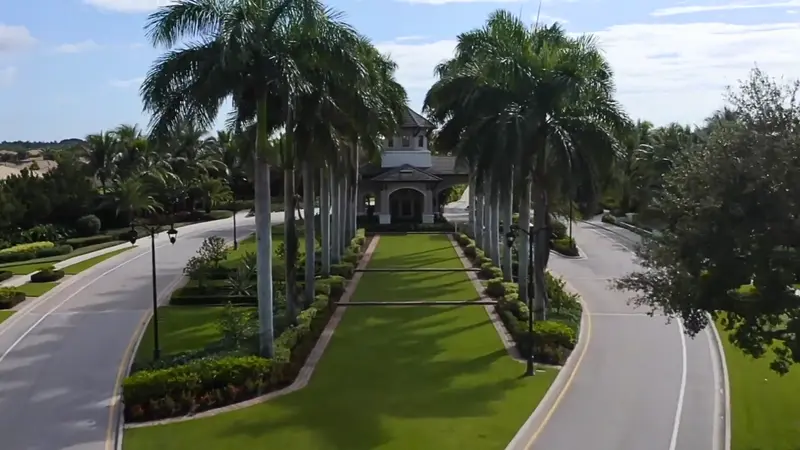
column 181, row 328
column 35, row 265
column 91, row 262
column 5, row 314
column 765, row 407
column 429, row 251
column 391, row 379
column 36, row 289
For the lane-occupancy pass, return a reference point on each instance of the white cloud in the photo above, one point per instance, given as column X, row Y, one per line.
column 7, row 76
column 130, row 82
column 547, row 19
column 15, row 37
column 128, row 6
column 664, row 72
column 693, row 9
column 444, row 2
column 78, row 47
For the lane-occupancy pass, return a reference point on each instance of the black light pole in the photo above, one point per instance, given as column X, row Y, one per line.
column 510, row 237
column 235, row 241
column 173, row 234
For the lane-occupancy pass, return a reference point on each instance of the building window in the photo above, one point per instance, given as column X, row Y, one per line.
column 391, row 142
column 421, row 142
column 406, row 141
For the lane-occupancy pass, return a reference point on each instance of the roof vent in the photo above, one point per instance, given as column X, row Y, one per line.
column 406, row 171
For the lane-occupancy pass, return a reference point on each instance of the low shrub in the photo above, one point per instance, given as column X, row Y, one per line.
column 81, row 242
column 351, row 257
column 497, row 288
column 558, row 229
column 213, row 382
column 489, row 271
column 16, row 257
column 10, row 298
column 335, row 286
column 566, row 246
column 47, row 275
column 470, row 251
column 218, row 214
column 88, row 225
column 54, row 251
column 463, row 240
column 5, row 275
column 28, row 248
column 608, row 218
column 553, row 339
column 344, row 270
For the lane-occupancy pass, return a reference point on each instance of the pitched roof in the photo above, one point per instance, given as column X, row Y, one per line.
column 412, row 119
column 440, row 165
column 406, row 172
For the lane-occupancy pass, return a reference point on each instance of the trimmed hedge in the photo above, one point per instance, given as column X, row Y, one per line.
column 27, row 248
column 5, row 275
column 211, row 382
column 88, row 225
column 553, row 340
column 81, row 242
column 47, row 275
column 10, row 298
column 54, row 251
column 566, row 246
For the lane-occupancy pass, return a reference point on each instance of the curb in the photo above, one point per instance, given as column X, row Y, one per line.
column 303, row 377
column 502, row 333
column 725, row 395
column 549, row 403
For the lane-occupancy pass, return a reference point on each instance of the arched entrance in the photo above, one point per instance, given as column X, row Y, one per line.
column 405, row 205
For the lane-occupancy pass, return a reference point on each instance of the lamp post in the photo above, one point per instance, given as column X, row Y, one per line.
column 173, row 235
column 510, row 238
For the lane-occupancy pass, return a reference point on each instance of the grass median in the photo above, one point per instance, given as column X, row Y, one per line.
column 91, row 262
column 393, row 378
column 765, row 407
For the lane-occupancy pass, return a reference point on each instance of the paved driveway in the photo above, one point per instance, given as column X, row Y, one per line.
column 642, row 384
column 60, row 359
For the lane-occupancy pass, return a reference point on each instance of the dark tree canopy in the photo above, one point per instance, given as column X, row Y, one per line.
column 732, row 204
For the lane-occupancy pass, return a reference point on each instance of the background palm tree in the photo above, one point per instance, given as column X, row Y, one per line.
column 101, row 153
column 552, row 96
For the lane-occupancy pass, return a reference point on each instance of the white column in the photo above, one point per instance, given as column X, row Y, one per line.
column 427, row 207
column 384, row 209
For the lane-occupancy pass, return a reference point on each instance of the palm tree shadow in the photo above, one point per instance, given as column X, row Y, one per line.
column 384, row 365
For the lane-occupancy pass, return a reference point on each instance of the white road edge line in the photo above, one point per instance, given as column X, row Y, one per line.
column 715, row 370
column 673, row 442
column 62, row 302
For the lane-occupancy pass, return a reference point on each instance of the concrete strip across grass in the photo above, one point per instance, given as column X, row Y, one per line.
column 390, row 378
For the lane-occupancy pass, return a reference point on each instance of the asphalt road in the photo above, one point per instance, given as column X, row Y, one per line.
column 642, row 384
column 59, row 361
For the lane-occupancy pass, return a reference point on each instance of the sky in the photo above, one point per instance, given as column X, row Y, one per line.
column 69, row 68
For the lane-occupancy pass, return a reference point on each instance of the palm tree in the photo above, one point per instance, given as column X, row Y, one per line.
column 101, row 151
column 255, row 53
column 555, row 92
column 131, row 197
column 132, row 149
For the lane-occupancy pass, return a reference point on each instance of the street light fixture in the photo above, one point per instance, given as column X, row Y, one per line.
column 511, row 237
column 173, row 236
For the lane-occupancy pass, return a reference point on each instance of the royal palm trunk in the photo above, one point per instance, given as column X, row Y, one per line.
column 523, row 242
column 290, row 244
column 325, row 220
column 508, row 216
column 495, row 227
column 345, row 214
column 541, row 251
column 487, row 219
column 311, row 239
column 478, row 219
column 263, row 235
column 336, row 225
column 471, row 210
